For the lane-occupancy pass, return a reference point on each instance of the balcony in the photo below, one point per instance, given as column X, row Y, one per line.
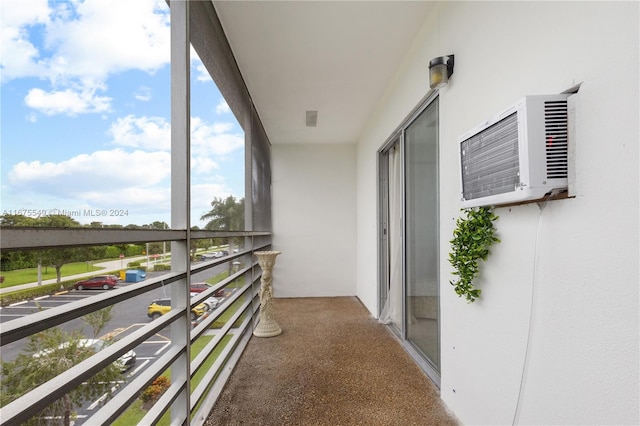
column 195, row 378
column 333, row 364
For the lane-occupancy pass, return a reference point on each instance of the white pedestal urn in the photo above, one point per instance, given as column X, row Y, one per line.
column 267, row 326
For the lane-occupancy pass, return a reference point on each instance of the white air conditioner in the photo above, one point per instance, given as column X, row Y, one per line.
column 518, row 156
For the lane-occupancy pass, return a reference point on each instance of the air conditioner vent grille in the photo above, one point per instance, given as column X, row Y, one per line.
column 555, row 124
column 490, row 160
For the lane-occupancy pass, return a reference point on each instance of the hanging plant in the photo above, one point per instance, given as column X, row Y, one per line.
column 472, row 237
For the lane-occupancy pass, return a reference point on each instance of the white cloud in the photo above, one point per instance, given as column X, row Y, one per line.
column 197, row 67
column 107, row 37
column 81, row 44
column 18, row 56
column 222, row 107
column 67, row 101
column 143, row 94
column 201, row 73
column 203, row 165
column 150, row 133
column 222, row 127
column 16, row 13
column 87, row 174
column 154, row 133
column 214, row 139
column 138, row 198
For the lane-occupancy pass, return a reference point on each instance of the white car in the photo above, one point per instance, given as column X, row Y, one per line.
column 210, row 302
column 209, row 256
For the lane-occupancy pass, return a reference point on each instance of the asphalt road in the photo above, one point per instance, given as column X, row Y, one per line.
column 127, row 316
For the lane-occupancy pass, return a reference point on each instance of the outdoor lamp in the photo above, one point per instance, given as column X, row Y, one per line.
column 440, row 69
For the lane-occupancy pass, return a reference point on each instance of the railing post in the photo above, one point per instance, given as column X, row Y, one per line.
column 180, row 202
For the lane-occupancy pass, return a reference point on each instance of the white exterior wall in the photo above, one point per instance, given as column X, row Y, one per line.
column 582, row 363
column 314, row 221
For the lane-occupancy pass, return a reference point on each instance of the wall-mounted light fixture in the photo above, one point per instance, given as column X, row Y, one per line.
column 440, row 70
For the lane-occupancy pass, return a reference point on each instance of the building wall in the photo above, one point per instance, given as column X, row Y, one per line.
column 554, row 338
column 314, row 219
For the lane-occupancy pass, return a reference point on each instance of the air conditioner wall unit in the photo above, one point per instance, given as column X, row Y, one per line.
column 518, row 156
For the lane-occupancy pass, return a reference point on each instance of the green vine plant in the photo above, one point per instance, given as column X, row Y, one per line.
column 472, row 237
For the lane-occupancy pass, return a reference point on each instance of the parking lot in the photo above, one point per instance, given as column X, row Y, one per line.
column 127, row 317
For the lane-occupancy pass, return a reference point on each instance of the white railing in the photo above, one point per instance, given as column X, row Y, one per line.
column 212, row 364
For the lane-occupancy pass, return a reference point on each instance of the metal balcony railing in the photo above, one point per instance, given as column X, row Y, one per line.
column 186, row 400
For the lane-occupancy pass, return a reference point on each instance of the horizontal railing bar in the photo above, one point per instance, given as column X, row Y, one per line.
column 200, row 390
column 209, row 292
column 200, row 417
column 163, row 404
column 201, row 234
column 223, row 331
column 19, row 328
column 221, row 309
column 121, row 401
column 22, row 327
column 34, row 401
column 35, row 238
column 231, row 256
column 196, row 363
column 21, row 409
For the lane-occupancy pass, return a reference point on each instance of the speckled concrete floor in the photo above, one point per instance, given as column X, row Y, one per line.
column 334, row 364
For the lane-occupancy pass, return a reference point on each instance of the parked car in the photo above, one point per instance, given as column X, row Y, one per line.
column 159, row 307
column 210, row 302
column 200, row 287
column 104, row 282
column 213, row 255
column 123, row 363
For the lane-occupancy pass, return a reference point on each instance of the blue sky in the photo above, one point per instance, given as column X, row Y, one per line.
column 85, row 114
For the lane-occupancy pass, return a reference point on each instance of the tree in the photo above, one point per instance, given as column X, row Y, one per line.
column 48, row 354
column 225, row 215
column 156, row 225
column 17, row 220
column 57, row 257
column 98, row 319
column 200, row 243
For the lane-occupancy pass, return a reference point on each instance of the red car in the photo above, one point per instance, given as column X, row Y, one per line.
column 104, row 282
column 200, row 287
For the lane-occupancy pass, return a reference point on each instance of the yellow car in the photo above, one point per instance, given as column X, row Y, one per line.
column 160, row 307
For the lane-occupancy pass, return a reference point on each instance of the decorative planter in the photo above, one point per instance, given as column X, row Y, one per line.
column 267, row 326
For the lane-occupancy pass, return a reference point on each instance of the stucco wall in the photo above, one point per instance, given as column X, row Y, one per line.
column 314, row 219
column 562, row 286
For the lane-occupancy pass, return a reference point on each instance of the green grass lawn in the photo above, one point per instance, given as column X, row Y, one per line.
column 24, row 276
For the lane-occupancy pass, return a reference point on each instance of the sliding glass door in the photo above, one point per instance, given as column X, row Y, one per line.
column 421, row 234
column 409, row 236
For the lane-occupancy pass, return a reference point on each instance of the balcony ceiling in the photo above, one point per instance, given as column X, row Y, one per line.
column 333, row 57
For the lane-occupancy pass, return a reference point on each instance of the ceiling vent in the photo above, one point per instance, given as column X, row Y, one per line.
column 312, row 118
column 518, row 156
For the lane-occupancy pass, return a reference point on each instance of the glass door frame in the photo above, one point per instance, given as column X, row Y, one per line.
column 398, row 137
column 383, row 241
